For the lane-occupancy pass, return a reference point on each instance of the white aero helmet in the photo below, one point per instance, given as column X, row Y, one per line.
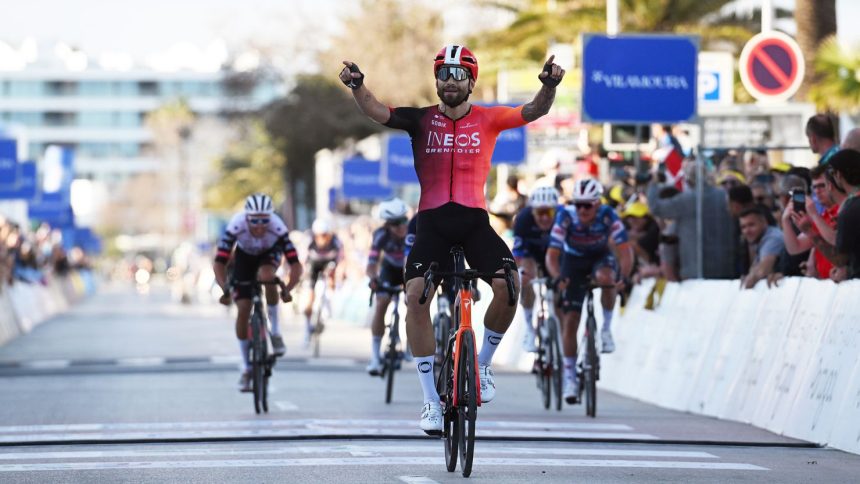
column 321, row 226
column 259, row 203
column 392, row 209
column 588, row 190
column 542, row 197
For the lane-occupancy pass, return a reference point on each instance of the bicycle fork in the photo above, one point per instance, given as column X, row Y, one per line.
column 465, row 309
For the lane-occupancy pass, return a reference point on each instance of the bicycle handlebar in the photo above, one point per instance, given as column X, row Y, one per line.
column 469, row 275
column 285, row 294
column 383, row 287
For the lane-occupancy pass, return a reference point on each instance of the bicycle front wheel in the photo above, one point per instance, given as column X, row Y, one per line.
column 544, row 365
column 467, row 404
column 590, row 373
column 390, row 362
column 556, row 363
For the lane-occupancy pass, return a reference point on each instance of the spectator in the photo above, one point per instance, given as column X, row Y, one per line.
column 765, row 245
column 845, row 254
column 718, row 237
column 852, row 140
column 822, row 137
column 741, row 198
column 508, row 202
column 825, row 224
column 730, row 178
column 644, row 233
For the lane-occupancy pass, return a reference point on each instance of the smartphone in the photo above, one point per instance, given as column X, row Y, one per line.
column 798, row 198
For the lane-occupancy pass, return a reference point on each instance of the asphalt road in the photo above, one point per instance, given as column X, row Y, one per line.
column 132, row 387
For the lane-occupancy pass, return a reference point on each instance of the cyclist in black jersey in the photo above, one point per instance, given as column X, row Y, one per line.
column 325, row 248
column 385, row 266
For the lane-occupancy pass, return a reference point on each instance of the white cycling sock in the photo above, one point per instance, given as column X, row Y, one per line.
column 244, row 348
column 491, row 342
column 529, row 313
column 375, row 344
column 570, row 368
column 424, row 364
column 273, row 319
column 308, row 326
column 607, row 319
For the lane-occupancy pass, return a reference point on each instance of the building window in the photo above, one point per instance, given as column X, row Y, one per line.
column 61, row 88
column 148, row 88
column 60, row 119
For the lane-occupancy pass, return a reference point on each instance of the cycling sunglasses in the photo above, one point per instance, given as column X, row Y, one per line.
column 544, row 212
column 584, row 205
column 458, row 73
column 397, row 221
column 258, row 220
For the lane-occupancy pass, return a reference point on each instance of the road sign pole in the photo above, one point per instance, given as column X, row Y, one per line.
column 612, row 17
column 766, row 15
column 637, row 160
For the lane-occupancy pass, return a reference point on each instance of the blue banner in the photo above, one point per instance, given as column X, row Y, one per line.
column 8, row 162
column 361, row 180
column 56, row 215
column 639, row 79
column 510, row 146
column 25, row 187
column 399, row 162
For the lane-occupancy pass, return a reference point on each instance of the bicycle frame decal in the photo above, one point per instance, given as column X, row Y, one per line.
column 465, row 325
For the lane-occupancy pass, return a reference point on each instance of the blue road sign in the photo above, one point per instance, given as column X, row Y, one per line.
column 361, row 180
column 639, row 79
column 25, row 186
column 510, row 146
column 8, row 161
column 398, row 161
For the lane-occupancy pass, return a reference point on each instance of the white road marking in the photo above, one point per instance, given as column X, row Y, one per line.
column 154, row 361
column 345, row 362
column 373, row 461
column 355, row 451
column 285, row 406
column 47, row 364
column 224, row 359
column 417, row 480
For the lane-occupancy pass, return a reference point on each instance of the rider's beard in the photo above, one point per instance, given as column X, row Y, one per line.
column 457, row 100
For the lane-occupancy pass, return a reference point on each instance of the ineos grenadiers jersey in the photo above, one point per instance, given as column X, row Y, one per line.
column 452, row 158
column 579, row 240
column 529, row 240
column 276, row 238
column 392, row 248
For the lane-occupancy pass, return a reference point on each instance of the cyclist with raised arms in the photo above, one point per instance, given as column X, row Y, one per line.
column 531, row 238
column 385, row 266
column 452, row 143
column 325, row 248
column 594, row 245
column 261, row 239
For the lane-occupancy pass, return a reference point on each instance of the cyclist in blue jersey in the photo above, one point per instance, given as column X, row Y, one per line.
column 588, row 241
column 531, row 238
column 388, row 245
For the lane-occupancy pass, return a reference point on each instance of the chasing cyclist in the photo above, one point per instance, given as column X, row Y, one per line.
column 389, row 242
column 532, row 227
column 586, row 233
column 325, row 248
column 452, row 143
column 262, row 239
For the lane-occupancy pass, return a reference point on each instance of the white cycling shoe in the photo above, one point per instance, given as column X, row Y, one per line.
column 431, row 418
column 608, row 344
column 571, row 391
column 374, row 368
column 529, row 345
column 488, row 385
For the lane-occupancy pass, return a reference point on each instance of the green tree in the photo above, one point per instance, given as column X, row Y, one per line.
column 318, row 113
column 252, row 163
column 838, row 78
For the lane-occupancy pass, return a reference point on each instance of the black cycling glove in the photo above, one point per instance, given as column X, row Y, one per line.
column 355, row 82
column 548, row 81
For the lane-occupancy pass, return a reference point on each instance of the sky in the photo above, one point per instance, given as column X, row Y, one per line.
column 141, row 28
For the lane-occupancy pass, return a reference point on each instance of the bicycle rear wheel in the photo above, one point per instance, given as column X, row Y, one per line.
column 441, row 328
column 467, row 405
column 556, row 363
column 258, row 368
column 316, row 333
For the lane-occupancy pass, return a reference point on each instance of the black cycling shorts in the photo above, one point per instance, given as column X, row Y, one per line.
column 390, row 274
column 317, row 267
column 246, row 266
column 578, row 270
column 453, row 224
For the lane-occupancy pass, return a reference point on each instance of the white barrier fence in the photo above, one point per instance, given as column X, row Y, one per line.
column 25, row 305
column 785, row 359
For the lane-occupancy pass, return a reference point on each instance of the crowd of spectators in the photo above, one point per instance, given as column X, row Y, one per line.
column 32, row 257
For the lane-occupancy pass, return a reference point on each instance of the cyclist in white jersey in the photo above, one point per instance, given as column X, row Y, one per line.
column 261, row 239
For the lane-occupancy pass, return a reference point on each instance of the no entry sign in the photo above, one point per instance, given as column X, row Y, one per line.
column 771, row 66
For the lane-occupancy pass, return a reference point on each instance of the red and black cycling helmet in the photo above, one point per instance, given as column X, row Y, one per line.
column 457, row 55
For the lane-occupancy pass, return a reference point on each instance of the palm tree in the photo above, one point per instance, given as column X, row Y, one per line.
column 540, row 23
column 816, row 21
column 837, row 86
